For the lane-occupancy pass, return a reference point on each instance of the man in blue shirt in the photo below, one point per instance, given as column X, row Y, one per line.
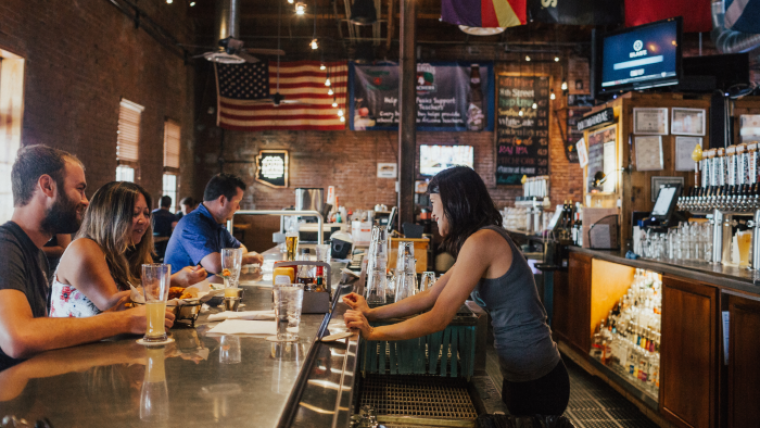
column 200, row 236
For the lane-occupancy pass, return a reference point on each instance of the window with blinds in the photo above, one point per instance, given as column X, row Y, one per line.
column 171, row 146
column 128, row 134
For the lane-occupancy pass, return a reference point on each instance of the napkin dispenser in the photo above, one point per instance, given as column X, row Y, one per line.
column 314, row 302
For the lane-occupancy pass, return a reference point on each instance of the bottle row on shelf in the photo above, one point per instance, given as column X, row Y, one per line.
column 629, row 339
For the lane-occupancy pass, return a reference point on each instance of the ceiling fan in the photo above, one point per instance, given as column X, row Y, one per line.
column 230, row 51
column 277, row 98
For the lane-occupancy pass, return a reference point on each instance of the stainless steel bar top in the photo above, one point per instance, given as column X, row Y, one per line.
column 120, row 383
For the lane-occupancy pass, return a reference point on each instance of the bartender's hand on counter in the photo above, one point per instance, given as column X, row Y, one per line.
column 358, row 303
column 253, row 258
column 137, row 321
column 357, row 321
column 188, row 276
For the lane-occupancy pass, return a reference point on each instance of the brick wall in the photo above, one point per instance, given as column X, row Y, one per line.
column 82, row 58
column 348, row 160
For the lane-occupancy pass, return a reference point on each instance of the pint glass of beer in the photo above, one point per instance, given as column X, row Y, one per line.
column 155, row 282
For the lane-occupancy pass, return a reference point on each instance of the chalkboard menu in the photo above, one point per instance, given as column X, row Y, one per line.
column 522, row 141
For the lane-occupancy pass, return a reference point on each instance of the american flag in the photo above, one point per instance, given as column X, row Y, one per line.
column 239, row 86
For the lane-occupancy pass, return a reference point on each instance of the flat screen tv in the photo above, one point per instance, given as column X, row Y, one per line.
column 435, row 158
column 640, row 57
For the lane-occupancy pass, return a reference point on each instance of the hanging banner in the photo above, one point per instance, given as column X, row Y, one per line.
column 522, row 141
column 577, row 12
column 450, row 97
column 577, row 106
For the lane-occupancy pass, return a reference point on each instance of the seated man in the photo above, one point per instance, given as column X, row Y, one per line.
column 48, row 197
column 162, row 226
column 200, row 236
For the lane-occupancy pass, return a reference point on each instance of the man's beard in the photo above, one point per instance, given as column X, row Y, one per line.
column 62, row 216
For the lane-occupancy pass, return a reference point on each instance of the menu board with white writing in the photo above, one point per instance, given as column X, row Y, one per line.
column 522, row 140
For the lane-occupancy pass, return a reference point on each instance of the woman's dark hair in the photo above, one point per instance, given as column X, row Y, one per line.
column 467, row 205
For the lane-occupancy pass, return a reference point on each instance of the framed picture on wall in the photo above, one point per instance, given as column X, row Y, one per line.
column 650, row 121
column 684, row 148
column 687, row 121
column 649, row 153
column 272, row 168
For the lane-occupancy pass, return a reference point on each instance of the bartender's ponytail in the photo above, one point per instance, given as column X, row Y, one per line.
column 467, row 205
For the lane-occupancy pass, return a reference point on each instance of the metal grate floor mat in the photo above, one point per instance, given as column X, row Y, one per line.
column 418, row 396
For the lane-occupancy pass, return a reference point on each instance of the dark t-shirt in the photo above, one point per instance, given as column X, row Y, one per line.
column 23, row 267
column 162, row 222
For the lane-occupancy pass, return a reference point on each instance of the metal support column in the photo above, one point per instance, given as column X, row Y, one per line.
column 407, row 129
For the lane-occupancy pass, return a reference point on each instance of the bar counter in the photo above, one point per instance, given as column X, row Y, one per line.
column 731, row 278
column 118, row 382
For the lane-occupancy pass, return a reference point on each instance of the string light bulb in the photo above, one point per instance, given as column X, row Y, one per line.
column 300, row 8
column 335, row 103
column 527, row 58
column 556, row 59
column 340, row 112
column 535, row 106
column 192, row 4
column 290, row 1
column 169, row 1
column 327, row 82
column 342, row 119
column 520, row 113
column 322, row 67
column 564, row 85
column 552, row 96
column 330, row 91
column 314, row 45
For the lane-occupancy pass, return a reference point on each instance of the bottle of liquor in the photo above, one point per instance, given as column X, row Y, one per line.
column 475, row 116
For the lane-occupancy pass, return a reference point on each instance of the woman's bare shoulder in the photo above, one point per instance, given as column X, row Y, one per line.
column 83, row 249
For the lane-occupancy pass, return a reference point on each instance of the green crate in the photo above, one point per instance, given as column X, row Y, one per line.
column 448, row 353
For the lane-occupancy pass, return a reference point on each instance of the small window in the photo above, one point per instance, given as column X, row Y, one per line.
column 171, row 146
column 128, row 140
column 11, row 118
column 170, row 188
column 125, row 173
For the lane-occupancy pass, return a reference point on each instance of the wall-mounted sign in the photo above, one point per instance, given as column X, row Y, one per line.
column 603, row 117
column 386, row 170
column 272, row 168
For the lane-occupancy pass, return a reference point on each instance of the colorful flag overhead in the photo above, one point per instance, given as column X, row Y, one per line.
column 244, row 93
column 697, row 15
column 484, row 13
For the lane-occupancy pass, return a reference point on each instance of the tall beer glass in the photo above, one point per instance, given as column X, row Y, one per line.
column 155, row 282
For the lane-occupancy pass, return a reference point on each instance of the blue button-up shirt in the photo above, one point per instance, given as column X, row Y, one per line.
column 196, row 236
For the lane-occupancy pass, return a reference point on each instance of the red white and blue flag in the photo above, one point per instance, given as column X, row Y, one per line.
column 242, row 87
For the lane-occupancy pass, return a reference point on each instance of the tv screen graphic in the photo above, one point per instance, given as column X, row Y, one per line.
column 643, row 57
column 434, row 158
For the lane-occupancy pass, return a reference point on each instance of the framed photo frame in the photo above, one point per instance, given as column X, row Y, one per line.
column 658, row 182
column 386, row 170
column 749, row 127
column 684, row 147
column 272, row 168
column 688, row 121
column 649, row 156
column 650, row 121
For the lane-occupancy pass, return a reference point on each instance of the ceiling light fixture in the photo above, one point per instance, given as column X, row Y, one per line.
column 314, row 44
column 330, row 91
column 527, row 58
column 556, row 59
column 290, row 1
column 340, row 112
column 327, row 82
column 564, row 85
column 552, row 96
column 300, row 8
column 520, row 113
column 335, row 103
column 342, row 119
column 322, row 67
column 192, row 4
column 169, row 1
column 535, row 106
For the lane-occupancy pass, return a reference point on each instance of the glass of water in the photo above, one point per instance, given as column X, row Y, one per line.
column 232, row 259
column 428, row 279
column 288, row 302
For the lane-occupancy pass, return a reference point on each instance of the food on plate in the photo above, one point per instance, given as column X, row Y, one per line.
column 175, row 292
column 190, row 293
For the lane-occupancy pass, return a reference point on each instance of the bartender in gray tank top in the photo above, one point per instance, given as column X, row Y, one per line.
column 490, row 269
